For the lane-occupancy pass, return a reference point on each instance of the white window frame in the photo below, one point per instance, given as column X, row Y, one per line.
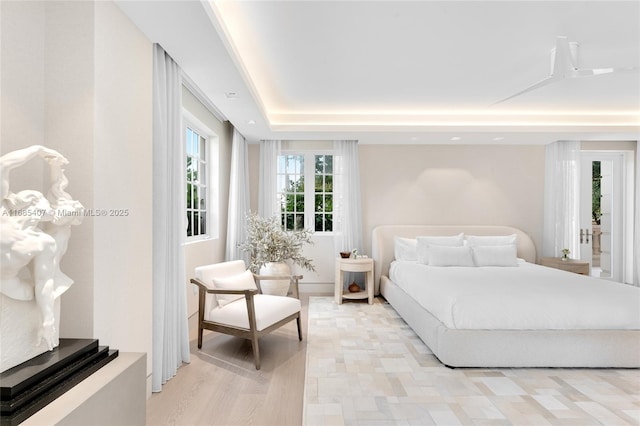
column 210, row 186
column 309, row 187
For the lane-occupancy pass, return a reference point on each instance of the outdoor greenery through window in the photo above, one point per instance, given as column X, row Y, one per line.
column 306, row 206
column 196, row 150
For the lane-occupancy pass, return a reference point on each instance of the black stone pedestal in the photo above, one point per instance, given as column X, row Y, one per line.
column 28, row 387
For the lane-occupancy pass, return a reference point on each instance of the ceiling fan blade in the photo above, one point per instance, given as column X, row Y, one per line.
column 562, row 60
column 602, row 71
column 546, row 81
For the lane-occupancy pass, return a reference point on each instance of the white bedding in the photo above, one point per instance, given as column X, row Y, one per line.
column 525, row 297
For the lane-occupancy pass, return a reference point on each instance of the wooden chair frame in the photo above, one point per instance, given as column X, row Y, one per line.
column 251, row 334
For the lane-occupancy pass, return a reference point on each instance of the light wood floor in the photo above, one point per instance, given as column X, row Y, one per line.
column 222, row 387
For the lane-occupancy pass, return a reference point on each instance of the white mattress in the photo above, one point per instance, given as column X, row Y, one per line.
column 526, row 297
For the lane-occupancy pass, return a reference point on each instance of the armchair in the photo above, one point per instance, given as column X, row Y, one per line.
column 230, row 302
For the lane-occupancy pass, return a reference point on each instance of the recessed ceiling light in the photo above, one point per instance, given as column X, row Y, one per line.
column 498, row 138
column 456, row 138
column 231, row 95
column 251, row 122
column 414, row 138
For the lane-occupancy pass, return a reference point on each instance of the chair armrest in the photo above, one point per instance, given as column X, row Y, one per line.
column 206, row 289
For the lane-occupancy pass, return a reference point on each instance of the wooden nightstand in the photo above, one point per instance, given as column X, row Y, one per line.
column 354, row 265
column 570, row 265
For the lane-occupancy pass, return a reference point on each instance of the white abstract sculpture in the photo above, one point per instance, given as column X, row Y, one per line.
column 34, row 232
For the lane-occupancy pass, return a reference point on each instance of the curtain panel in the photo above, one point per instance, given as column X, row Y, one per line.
column 170, row 328
column 268, row 203
column 347, row 207
column 238, row 199
column 561, row 199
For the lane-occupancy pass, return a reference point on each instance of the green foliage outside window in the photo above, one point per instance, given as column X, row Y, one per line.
column 596, row 195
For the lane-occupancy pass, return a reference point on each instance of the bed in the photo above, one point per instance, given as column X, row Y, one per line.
column 471, row 322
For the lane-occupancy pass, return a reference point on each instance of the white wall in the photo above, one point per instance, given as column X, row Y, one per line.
column 122, row 180
column 453, row 184
column 22, row 84
column 76, row 76
column 69, row 117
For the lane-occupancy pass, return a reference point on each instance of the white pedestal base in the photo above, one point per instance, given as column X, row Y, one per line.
column 113, row 395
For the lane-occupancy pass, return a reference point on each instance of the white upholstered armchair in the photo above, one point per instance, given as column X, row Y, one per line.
column 230, row 302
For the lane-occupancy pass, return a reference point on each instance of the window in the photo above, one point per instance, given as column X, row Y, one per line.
column 197, row 189
column 306, row 206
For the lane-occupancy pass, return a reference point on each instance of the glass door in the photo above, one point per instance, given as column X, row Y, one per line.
column 601, row 213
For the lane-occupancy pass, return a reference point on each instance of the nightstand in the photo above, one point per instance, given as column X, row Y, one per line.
column 570, row 265
column 354, row 265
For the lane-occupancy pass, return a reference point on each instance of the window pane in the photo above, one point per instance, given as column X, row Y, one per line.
column 328, row 223
column 291, row 203
column 318, row 223
column 188, row 142
column 194, row 146
column 196, row 169
column 319, row 207
column 203, row 223
column 299, row 221
column 195, row 199
column 328, row 203
column 189, row 221
column 290, row 223
column 319, row 164
column 318, row 183
column 328, row 164
column 328, row 183
column 196, row 227
column 300, row 203
column 189, row 196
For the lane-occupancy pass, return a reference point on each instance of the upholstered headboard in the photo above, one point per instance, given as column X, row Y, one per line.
column 382, row 241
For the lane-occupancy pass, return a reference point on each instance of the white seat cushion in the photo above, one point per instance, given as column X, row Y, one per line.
column 269, row 310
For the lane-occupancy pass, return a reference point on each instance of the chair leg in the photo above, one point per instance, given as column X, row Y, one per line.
column 256, row 351
column 200, row 330
column 299, row 329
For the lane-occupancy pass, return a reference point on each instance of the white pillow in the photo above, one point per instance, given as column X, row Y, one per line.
column 424, row 243
column 243, row 281
column 504, row 255
column 450, row 256
column 495, row 240
column 405, row 248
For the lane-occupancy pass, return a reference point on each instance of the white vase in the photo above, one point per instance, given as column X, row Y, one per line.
column 275, row 287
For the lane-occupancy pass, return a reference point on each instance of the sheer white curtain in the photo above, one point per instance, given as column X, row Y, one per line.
column 561, row 199
column 170, row 328
column 238, row 198
column 347, row 210
column 636, row 223
column 268, row 203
